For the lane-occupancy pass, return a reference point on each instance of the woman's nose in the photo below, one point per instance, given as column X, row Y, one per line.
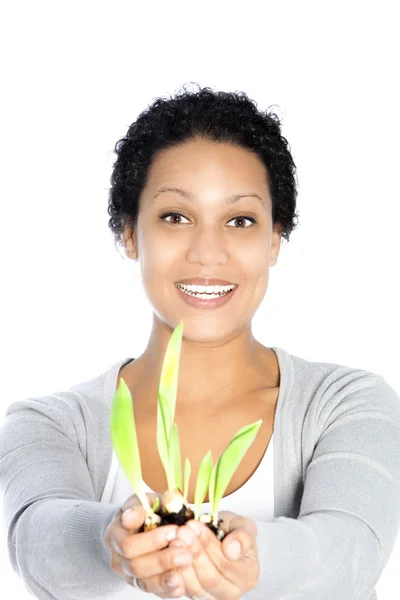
column 207, row 245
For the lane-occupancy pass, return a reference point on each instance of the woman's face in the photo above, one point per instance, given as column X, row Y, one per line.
column 207, row 238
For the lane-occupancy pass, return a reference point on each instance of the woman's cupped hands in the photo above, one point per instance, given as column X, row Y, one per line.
column 174, row 561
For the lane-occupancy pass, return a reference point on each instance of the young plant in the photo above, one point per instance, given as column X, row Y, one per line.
column 174, row 503
column 126, row 447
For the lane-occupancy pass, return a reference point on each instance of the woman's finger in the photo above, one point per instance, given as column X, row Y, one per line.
column 167, row 585
column 206, row 564
column 163, row 585
column 190, row 582
column 242, row 570
column 230, row 521
column 157, row 563
column 135, row 544
column 117, row 561
column 239, row 544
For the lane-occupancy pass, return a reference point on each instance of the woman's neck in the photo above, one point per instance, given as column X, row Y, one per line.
column 215, row 375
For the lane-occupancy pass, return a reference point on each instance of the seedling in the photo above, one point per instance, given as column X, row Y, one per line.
column 174, row 506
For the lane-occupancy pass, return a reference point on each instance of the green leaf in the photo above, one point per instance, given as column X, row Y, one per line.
column 229, row 462
column 168, row 386
column 125, row 442
column 202, row 482
column 156, row 504
column 175, row 453
column 167, row 392
column 163, row 437
column 211, row 488
column 186, row 477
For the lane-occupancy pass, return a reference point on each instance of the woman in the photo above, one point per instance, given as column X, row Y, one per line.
column 203, row 190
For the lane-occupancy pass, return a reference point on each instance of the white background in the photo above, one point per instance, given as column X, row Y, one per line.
column 74, row 75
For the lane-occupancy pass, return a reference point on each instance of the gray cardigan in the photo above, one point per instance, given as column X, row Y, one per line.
column 336, row 487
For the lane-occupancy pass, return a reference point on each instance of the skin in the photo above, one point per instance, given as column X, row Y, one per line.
column 206, row 239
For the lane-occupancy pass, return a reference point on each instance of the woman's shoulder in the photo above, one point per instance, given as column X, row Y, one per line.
column 320, row 383
column 319, row 370
column 79, row 410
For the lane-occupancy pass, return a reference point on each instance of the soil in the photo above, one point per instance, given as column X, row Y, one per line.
column 182, row 517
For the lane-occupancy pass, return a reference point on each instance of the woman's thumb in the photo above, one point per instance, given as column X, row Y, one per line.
column 133, row 518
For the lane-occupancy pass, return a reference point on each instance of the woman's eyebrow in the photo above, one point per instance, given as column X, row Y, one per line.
column 192, row 197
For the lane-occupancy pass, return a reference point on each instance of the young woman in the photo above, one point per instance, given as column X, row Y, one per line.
column 203, row 191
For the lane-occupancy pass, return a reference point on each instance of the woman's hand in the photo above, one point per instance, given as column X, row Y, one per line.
column 214, row 570
column 145, row 555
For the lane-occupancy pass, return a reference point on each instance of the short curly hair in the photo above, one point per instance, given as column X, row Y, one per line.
column 226, row 117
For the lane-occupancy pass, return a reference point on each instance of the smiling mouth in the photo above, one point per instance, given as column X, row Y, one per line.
column 206, row 301
column 204, row 295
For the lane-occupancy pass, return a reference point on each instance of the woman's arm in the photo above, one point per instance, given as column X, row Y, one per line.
column 350, row 510
column 55, row 527
column 349, row 515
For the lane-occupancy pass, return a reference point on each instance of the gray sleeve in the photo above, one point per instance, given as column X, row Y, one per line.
column 350, row 511
column 55, row 527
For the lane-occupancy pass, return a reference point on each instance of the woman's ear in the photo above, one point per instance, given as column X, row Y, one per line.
column 276, row 243
column 130, row 242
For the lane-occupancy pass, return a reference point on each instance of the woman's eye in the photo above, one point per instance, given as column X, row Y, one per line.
column 175, row 214
column 171, row 214
column 243, row 218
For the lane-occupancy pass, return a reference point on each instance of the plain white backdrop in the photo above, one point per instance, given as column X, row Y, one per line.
column 75, row 75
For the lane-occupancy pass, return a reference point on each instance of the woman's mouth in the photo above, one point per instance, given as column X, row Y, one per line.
column 205, row 300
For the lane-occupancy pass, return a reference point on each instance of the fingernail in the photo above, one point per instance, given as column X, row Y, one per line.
column 127, row 570
column 186, row 536
column 234, row 549
column 127, row 512
column 172, row 582
column 194, row 527
column 116, row 547
column 171, row 535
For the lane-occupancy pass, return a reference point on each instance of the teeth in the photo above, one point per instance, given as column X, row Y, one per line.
column 206, row 289
column 204, row 296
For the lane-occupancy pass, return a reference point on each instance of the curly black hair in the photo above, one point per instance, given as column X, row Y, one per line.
column 216, row 116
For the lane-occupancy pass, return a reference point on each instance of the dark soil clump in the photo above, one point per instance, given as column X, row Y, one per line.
column 180, row 518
